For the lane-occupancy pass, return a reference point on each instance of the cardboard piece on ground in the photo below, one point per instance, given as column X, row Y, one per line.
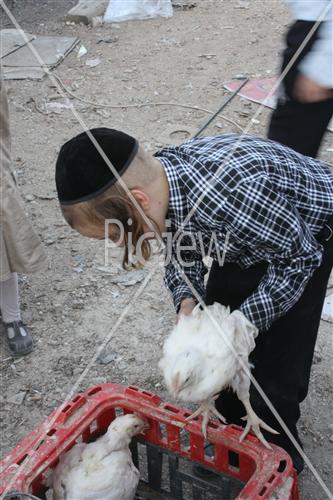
column 257, row 90
column 12, row 39
column 23, row 64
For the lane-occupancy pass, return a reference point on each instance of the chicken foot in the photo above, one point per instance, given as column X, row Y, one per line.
column 253, row 422
column 206, row 409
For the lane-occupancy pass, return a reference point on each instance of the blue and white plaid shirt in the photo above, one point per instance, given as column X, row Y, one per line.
column 256, row 202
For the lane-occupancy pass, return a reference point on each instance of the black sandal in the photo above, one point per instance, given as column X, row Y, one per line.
column 19, row 343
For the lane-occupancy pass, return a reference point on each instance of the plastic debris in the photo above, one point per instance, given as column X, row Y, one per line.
column 119, row 11
column 57, row 107
column 82, row 51
column 93, row 62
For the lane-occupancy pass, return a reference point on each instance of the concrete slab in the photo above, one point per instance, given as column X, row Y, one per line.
column 86, row 10
column 12, row 39
column 23, row 64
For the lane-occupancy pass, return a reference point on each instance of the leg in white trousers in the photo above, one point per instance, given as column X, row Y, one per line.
column 9, row 300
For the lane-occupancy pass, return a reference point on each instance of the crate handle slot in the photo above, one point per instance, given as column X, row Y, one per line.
column 51, row 432
column 262, row 491
column 282, row 465
column 94, row 390
column 22, row 459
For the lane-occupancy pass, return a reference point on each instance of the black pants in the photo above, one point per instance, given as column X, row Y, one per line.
column 300, row 126
column 283, row 355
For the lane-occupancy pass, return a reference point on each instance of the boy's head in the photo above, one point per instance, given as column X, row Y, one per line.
column 89, row 189
column 81, row 170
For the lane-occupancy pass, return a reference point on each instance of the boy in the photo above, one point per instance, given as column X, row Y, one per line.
column 270, row 211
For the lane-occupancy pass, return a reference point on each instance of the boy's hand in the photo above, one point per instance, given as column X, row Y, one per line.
column 307, row 90
column 186, row 307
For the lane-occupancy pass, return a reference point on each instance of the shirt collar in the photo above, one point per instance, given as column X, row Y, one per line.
column 177, row 198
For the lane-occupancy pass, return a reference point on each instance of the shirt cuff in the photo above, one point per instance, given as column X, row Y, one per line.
column 260, row 313
column 180, row 293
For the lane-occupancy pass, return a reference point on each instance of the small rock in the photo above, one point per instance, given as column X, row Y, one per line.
column 122, row 365
column 78, row 304
column 111, row 39
column 46, row 197
column 317, row 358
column 183, row 4
column 97, row 21
column 86, row 10
column 49, row 241
column 35, row 397
column 30, row 197
column 331, row 439
column 243, row 112
column 104, row 358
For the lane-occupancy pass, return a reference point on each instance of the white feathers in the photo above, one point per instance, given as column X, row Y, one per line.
column 97, row 471
column 206, row 352
column 198, row 360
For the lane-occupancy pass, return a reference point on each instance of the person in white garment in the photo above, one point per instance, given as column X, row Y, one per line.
column 305, row 102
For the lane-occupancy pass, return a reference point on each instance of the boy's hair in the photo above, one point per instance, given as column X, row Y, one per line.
column 114, row 203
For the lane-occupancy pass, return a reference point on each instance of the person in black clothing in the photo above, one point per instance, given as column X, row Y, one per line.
column 305, row 103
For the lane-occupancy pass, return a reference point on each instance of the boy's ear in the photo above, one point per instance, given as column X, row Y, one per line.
column 141, row 197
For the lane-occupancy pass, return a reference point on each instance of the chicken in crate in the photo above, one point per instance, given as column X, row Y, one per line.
column 85, row 442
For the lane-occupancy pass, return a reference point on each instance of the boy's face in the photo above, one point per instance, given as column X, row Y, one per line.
column 91, row 231
column 98, row 233
column 77, row 219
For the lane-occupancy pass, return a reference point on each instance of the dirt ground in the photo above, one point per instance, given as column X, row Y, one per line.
column 74, row 304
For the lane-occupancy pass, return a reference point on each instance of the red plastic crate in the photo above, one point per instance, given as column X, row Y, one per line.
column 266, row 473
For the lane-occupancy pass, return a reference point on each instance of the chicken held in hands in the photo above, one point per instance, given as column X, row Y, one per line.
column 206, row 352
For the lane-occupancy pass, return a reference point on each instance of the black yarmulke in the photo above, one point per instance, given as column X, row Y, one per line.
column 81, row 172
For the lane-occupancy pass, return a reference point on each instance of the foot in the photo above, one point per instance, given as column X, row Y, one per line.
column 254, row 423
column 19, row 338
column 206, row 409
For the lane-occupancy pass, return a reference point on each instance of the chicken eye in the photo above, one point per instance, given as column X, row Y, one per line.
column 186, row 380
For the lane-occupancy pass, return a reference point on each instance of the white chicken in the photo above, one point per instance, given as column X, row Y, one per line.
column 207, row 352
column 102, row 470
